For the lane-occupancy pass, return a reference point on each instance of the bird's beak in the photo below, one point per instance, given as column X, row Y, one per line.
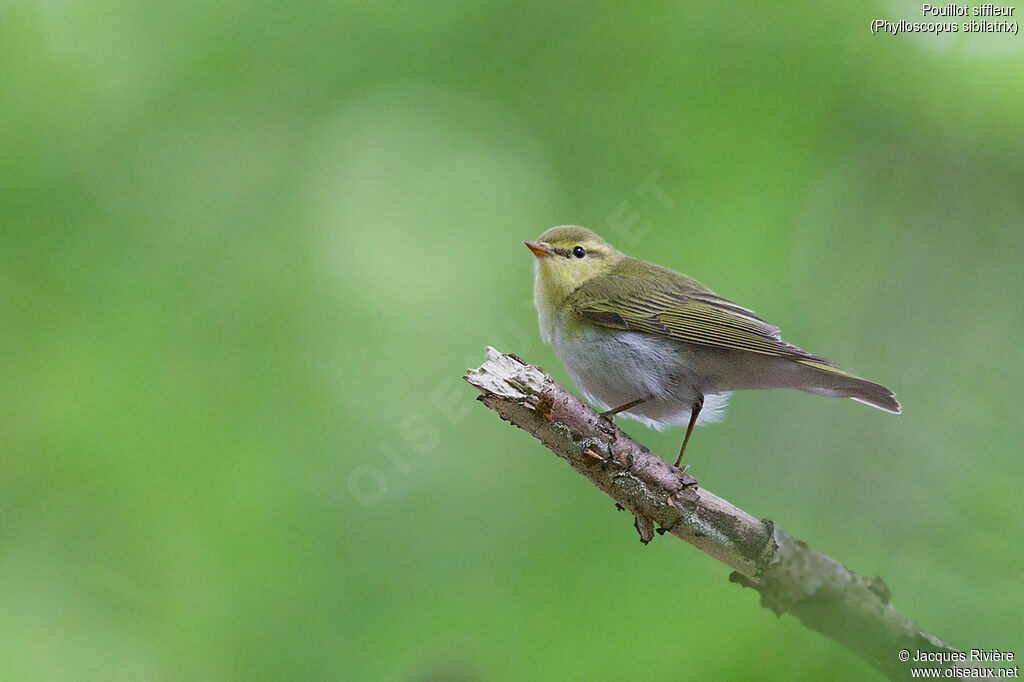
column 539, row 250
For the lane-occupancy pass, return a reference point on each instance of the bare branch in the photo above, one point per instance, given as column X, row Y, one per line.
column 790, row 577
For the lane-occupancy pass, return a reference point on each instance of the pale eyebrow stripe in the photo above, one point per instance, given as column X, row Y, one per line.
column 567, row 253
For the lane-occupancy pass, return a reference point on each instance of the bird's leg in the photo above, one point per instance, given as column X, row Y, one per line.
column 610, row 414
column 694, row 411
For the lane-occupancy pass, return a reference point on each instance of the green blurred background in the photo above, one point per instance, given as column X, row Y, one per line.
column 248, row 249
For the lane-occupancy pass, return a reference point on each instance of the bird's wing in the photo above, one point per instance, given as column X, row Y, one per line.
column 677, row 307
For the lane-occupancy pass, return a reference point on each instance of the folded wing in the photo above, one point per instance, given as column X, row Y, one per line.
column 672, row 305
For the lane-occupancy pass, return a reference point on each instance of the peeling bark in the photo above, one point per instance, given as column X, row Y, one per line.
column 790, row 577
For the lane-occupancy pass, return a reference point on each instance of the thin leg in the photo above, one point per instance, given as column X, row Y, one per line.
column 694, row 411
column 622, row 408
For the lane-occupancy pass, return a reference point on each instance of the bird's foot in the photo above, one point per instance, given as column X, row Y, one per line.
column 610, row 414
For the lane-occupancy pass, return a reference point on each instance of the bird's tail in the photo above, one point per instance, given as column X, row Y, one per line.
column 822, row 378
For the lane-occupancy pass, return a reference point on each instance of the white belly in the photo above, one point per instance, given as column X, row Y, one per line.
column 614, row 367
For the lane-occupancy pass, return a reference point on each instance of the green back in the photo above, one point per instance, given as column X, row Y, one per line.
column 639, row 296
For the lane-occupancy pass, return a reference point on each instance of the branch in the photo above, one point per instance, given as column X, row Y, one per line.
column 790, row 577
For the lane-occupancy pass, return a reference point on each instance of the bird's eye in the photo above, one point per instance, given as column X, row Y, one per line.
column 579, row 252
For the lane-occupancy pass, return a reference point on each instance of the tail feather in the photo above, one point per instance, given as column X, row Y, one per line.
column 825, row 379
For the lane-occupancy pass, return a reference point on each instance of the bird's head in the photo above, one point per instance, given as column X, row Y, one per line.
column 568, row 256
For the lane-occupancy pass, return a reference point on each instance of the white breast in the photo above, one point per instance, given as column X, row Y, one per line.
column 614, row 367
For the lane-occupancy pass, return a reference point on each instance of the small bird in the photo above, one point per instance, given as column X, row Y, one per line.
column 659, row 347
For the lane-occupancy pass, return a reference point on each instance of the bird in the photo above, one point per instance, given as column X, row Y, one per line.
column 656, row 346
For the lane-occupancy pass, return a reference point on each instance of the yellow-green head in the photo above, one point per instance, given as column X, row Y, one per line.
column 568, row 256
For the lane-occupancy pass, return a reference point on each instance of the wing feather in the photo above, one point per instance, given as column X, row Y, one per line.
column 675, row 306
